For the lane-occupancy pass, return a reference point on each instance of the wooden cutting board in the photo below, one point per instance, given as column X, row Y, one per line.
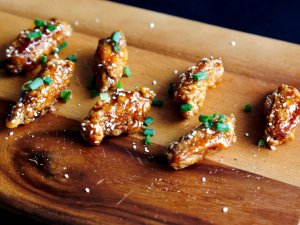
column 48, row 172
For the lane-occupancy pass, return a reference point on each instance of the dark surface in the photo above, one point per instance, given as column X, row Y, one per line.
column 276, row 19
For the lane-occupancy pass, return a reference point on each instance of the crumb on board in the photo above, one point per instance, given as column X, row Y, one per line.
column 151, row 25
column 246, row 134
column 232, row 43
column 225, row 209
column 87, row 190
column 203, row 179
column 66, row 175
column 175, row 72
column 11, row 133
column 97, row 20
column 76, row 23
column 154, row 82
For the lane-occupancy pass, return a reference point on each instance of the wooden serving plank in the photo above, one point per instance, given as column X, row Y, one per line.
column 46, row 167
column 132, row 186
column 254, row 67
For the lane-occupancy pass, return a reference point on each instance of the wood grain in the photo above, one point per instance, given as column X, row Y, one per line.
column 133, row 186
column 46, row 167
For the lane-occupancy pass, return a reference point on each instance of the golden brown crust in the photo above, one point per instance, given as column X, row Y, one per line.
column 123, row 112
column 109, row 63
column 189, row 91
column 282, row 109
column 24, row 54
column 39, row 101
column 192, row 147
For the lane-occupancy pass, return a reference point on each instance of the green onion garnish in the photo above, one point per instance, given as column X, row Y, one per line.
column 150, row 132
column 48, row 80
column 157, row 102
column 65, row 95
column 127, row 71
column 36, row 83
column 43, row 59
column 62, row 46
column 116, row 48
column 222, row 118
column 72, row 58
column 95, row 93
column 119, row 85
column 171, row 88
column 116, row 37
column 104, row 96
column 222, row 127
column 25, row 86
column 261, row 143
column 248, row 108
column 51, row 27
column 39, row 23
column 148, row 140
column 34, row 35
column 207, row 120
column 185, row 107
column 148, row 121
column 200, row 76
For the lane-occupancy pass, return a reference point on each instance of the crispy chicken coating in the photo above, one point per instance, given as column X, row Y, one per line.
column 123, row 112
column 191, row 87
column 110, row 60
column 42, row 93
column 192, row 147
column 282, row 110
column 26, row 50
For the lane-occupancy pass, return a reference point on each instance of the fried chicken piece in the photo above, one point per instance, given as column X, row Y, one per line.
column 26, row 50
column 190, row 89
column 192, row 147
column 282, row 110
column 42, row 93
column 110, row 60
column 123, row 112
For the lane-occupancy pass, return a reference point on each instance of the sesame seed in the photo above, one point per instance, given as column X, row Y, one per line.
column 246, row 134
column 97, row 20
column 66, row 175
column 76, row 23
column 87, row 190
column 146, row 149
column 233, row 43
column 175, row 72
column 11, row 133
column 225, row 209
column 152, row 25
column 203, row 179
column 154, row 82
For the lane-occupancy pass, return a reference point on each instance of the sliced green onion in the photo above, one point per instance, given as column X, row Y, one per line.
column 261, row 143
column 171, row 88
column 148, row 121
column 39, row 23
column 204, row 118
column 104, row 96
column 36, row 83
column 48, row 80
column 149, row 131
column 34, row 35
column 200, row 76
column 51, row 27
column 222, row 118
column 95, row 93
column 157, row 102
column 127, row 71
column 185, row 107
column 248, row 108
column 25, row 86
column 65, row 95
column 116, row 37
column 119, row 85
column 116, row 48
column 148, row 140
column 72, row 58
column 43, row 59
column 222, row 127
column 207, row 120
column 62, row 46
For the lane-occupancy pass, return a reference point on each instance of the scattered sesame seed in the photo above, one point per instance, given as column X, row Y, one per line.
column 146, row 149
column 154, row 82
column 246, row 134
column 87, row 190
column 175, row 72
column 97, row 20
column 134, row 146
column 66, row 175
column 152, row 25
column 203, row 179
column 233, row 43
column 225, row 209
column 6, row 138
column 76, row 23
column 11, row 133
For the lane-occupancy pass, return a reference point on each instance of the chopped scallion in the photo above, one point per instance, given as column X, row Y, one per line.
column 222, row 127
column 25, row 86
column 248, row 108
column 34, row 35
column 116, row 47
column 43, row 59
column 72, row 58
column 95, row 93
column 185, row 107
column 261, row 143
column 116, row 37
column 39, row 23
column 200, row 76
column 148, row 140
column 148, row 121
column 65, row 95
column 157, row 102
column 222, row 118
column 149, row 131
column 62, row 46
column 127, row 71
column 119, row 85
column 48, row 80
column 36, row 83
column 51, row 27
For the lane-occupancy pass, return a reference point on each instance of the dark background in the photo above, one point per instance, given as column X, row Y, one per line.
column 276, row 19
